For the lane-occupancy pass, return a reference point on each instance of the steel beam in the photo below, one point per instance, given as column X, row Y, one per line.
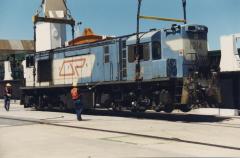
column 37, row 19
column 162, row 19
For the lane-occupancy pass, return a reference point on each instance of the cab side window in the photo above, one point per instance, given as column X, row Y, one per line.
column 30, row 61
column 106, row 54
column 143, row 52
column 156, row 50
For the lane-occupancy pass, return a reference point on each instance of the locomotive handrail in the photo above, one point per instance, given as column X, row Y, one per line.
column 111, row 70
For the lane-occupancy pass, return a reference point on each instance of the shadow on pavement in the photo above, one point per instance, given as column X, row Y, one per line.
column 176, row 117
column 188, row 118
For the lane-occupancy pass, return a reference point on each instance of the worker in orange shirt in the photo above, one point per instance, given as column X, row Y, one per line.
column 76, row 97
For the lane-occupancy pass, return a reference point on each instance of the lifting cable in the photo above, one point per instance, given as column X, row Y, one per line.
column 137, row 54
column 40, row 8
column 69, row 14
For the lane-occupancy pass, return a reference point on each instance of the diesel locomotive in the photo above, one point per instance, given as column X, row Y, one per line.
column 175, row 72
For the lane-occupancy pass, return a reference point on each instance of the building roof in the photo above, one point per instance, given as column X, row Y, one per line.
column 16, row 46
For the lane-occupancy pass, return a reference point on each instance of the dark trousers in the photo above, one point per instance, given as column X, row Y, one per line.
column 78, row 107
column 6, row 103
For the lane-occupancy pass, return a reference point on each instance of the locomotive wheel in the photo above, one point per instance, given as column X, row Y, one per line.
column 49, row 106
column 134, row 110
column 116, row 107
column 158, row 108
column 108, row 104
column 61, row 106
column 168, row 108
column 166, row 100
column 38, row 107
column 142, row 109
column 186, row 108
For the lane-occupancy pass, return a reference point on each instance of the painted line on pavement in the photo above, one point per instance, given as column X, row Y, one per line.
column 126, row 133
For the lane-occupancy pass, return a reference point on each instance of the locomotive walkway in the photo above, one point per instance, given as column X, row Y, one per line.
column 211, row 136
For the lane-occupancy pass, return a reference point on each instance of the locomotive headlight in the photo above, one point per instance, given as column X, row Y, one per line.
column 133, row 103
column 131, row 94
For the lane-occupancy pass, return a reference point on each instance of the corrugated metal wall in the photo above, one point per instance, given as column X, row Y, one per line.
column 230, row 90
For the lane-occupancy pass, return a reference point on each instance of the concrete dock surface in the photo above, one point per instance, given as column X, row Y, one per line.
column 109, row 136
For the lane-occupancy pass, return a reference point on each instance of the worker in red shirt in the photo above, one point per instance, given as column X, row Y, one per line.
column 76, row 100
column 7, row 96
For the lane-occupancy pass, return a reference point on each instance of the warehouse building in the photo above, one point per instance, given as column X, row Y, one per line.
column 229, row 83
column 12, row 53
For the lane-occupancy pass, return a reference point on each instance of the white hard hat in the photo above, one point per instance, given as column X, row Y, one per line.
column 8, row 85
column 74, row 84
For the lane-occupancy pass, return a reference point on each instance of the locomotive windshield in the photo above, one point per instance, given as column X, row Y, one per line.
column 156, row 50
column 195, row 44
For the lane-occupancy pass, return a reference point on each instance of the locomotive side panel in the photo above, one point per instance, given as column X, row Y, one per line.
column 172, row 46
column 91, row 64
column 73, row 69
column 115, row 63
column 111, row 61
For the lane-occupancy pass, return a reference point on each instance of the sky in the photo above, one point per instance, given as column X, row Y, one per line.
column 118, row 17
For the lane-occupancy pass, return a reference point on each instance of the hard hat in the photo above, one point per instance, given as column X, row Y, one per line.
column 74, row 84
column 8, row 85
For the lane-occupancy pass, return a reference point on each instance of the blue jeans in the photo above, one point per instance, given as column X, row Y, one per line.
column 6, row 103
column 78, row 107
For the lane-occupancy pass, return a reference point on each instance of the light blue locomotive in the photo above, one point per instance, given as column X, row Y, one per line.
column 174, row 72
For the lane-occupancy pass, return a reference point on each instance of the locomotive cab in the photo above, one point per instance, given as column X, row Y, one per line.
column 153, row 63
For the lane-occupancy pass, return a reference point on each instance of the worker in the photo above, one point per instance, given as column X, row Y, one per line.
column 7, row 96
column 76, row 97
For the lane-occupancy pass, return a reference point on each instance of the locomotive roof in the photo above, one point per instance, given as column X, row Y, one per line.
column 144, row 37
column 131, row 39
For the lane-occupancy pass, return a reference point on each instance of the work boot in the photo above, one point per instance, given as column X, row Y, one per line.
column 6, row 108
column 79, row 118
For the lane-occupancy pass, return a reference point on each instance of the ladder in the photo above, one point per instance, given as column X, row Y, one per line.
column 178, row 91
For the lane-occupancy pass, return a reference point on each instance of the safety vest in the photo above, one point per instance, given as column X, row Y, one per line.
column 74, row 93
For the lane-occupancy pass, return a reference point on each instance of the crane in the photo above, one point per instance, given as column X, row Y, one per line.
column 51, row 14
column 50, row 7
column 138, row 68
